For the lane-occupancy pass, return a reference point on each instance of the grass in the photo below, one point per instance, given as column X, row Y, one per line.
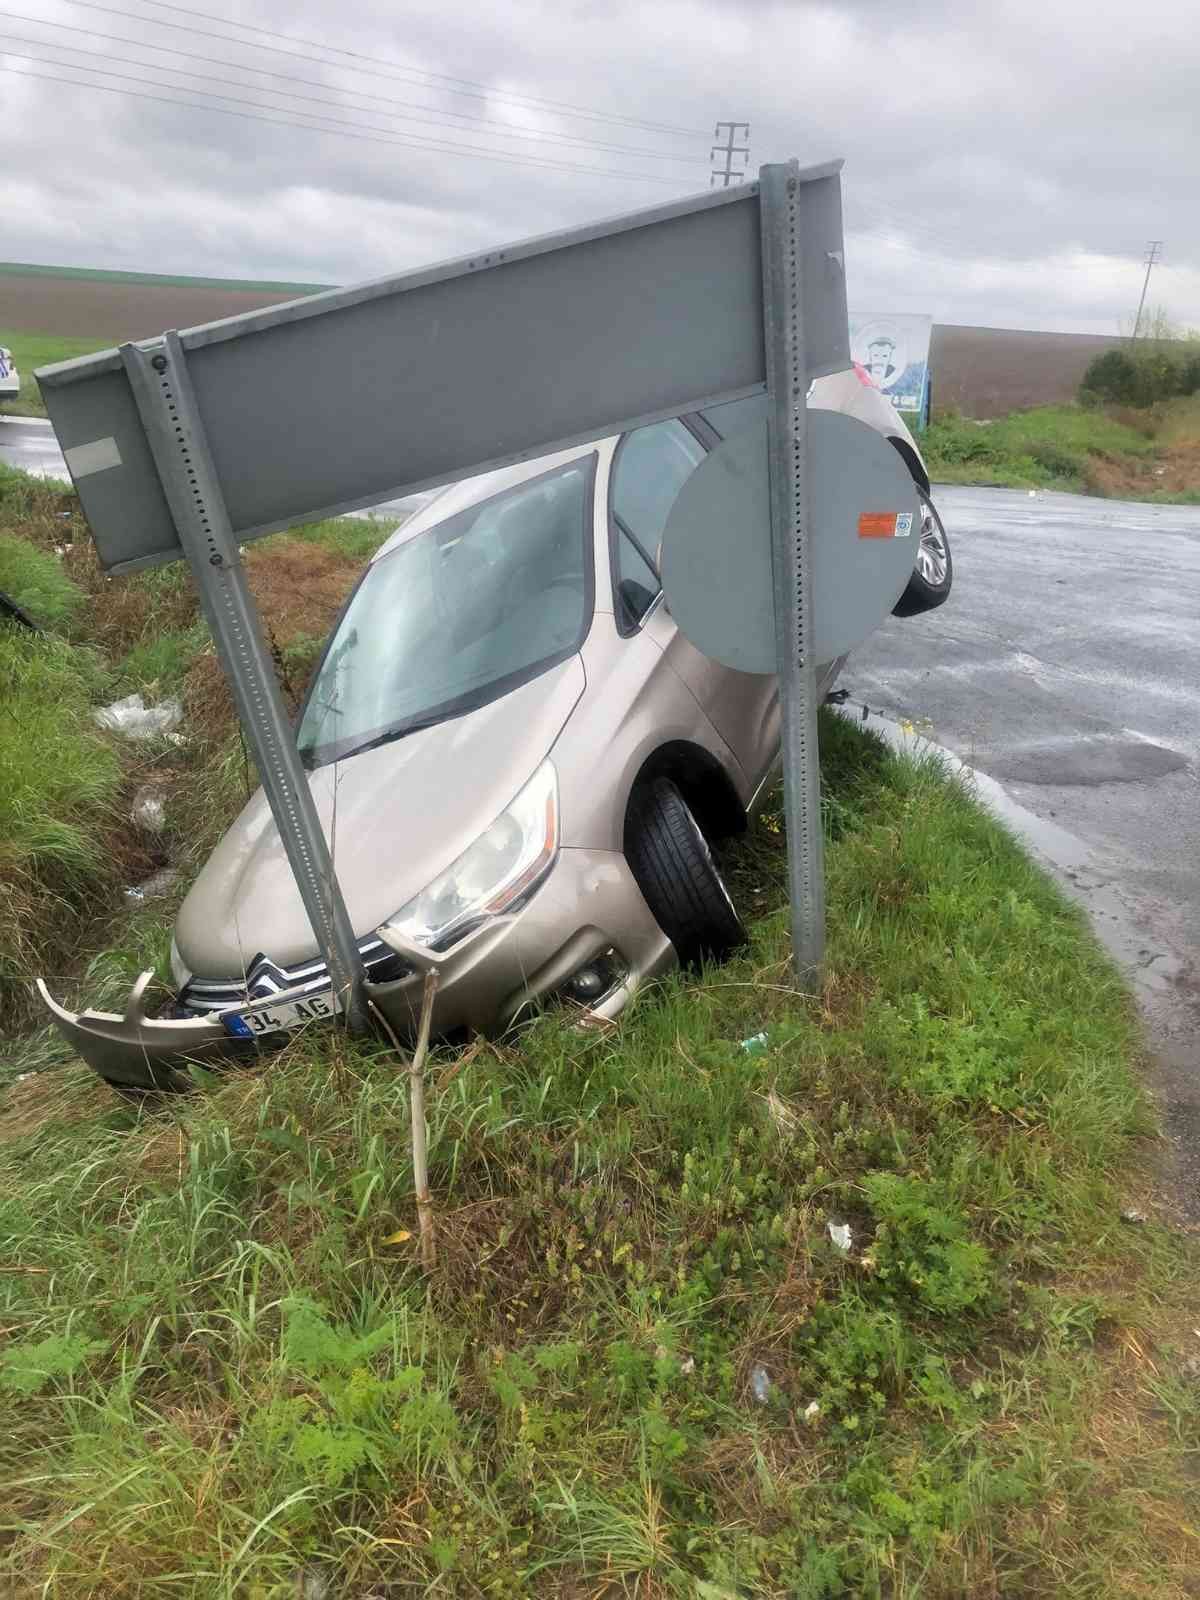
column 1152, row 455
column 641, row 1367
column 35, row 579
column 58, row 787
column 32, row 350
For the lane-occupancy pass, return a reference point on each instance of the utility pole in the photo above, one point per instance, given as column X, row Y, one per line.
column 729, row 150
column 1153, row 250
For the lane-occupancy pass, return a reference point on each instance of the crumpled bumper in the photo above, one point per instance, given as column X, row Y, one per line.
column 589, row 905
column 136, row 1051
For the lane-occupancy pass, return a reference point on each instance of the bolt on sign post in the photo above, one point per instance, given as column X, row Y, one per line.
column 184, row 447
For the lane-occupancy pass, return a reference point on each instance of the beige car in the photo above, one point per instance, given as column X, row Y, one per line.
column 519, row 760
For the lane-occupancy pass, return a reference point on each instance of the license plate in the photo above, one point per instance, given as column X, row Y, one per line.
column 279, row 1016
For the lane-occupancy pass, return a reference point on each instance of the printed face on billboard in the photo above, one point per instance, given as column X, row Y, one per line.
column 894, row 353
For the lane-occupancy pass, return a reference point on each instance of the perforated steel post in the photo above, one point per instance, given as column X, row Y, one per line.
column 175, row 431
column 787, row 408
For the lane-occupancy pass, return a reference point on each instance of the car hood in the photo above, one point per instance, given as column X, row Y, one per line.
column 403, row 812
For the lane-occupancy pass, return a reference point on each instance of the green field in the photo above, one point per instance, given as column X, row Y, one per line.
column 1152, row 454
column 32, row 350
column 643, row 1365
column 19, row 269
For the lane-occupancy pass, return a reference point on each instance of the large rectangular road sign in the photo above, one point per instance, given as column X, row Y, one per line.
column 344, row 399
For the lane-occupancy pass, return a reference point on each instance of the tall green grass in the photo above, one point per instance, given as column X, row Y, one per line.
column 642, row 1366
column 58, row 783
column 35, row 579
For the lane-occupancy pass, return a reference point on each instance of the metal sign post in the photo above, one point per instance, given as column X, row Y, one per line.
column 791, row 558
column 158, row 376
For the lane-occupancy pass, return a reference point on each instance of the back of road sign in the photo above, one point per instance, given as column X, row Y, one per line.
column 864, row 527
column 351, row 397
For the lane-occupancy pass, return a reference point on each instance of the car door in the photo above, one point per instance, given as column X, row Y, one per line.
column 650, row 467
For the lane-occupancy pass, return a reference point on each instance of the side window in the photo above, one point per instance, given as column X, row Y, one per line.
column 652, row 466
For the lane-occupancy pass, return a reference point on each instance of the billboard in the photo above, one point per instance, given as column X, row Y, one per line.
column 894, row 352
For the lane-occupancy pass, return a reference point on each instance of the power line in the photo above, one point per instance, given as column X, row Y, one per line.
column 477, row 91
column 471, row 83
column 1152, row 256
column 729, row 150
column 569, row 141
column 405, row 141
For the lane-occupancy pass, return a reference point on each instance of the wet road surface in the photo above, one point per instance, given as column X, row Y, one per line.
column 1066, row 666
column 29, row 443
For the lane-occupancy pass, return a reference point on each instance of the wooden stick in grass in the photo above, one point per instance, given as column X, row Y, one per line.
column 416, row 1095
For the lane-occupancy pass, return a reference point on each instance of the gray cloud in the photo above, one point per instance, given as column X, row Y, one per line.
column 1005, row 164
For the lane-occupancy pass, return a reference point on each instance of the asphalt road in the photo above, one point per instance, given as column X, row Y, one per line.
column 29, row 443
column 1066, row 665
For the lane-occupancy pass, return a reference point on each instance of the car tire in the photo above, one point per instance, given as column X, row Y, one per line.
column 673, row 866
column 928, row 589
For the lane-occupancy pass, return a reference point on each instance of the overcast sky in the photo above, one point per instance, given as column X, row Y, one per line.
column 1006, row 162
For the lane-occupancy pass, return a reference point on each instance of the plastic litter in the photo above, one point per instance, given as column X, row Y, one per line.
column 840, row 1233
column 158, row 883
column 147, row 810
column 812, row 1411
column 760, row 1384
column 688, row 1366
column 1133, row 1216
column 136, row 720
column 755, row 1045
column 311, row 1584
column 785, row 1119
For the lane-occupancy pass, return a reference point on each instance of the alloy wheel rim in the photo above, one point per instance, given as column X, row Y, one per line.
column 931, row 551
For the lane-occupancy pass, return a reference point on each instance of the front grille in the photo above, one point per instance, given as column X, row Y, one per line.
column 265, row 978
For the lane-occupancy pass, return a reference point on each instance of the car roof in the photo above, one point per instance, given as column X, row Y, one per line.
column 472, row 491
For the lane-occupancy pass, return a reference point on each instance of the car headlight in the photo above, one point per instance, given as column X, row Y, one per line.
column 495, row 874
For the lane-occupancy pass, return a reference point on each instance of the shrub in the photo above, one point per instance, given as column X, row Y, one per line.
column 1110, row 379
column 1142, row 374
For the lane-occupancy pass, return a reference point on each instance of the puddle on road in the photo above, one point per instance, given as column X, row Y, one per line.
column 1086, row 761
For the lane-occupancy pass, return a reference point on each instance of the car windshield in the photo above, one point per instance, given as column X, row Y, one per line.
column 457, row 616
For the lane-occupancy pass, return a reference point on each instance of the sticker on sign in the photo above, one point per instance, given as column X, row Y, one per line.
column 885, row 524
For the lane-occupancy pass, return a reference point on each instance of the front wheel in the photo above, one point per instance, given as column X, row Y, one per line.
column 670, row 859
column 933, row 571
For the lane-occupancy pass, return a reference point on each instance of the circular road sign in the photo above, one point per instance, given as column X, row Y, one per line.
column 864, row 527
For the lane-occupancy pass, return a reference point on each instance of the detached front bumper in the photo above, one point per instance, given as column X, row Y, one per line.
column 141, row 1052
column 589, row 907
